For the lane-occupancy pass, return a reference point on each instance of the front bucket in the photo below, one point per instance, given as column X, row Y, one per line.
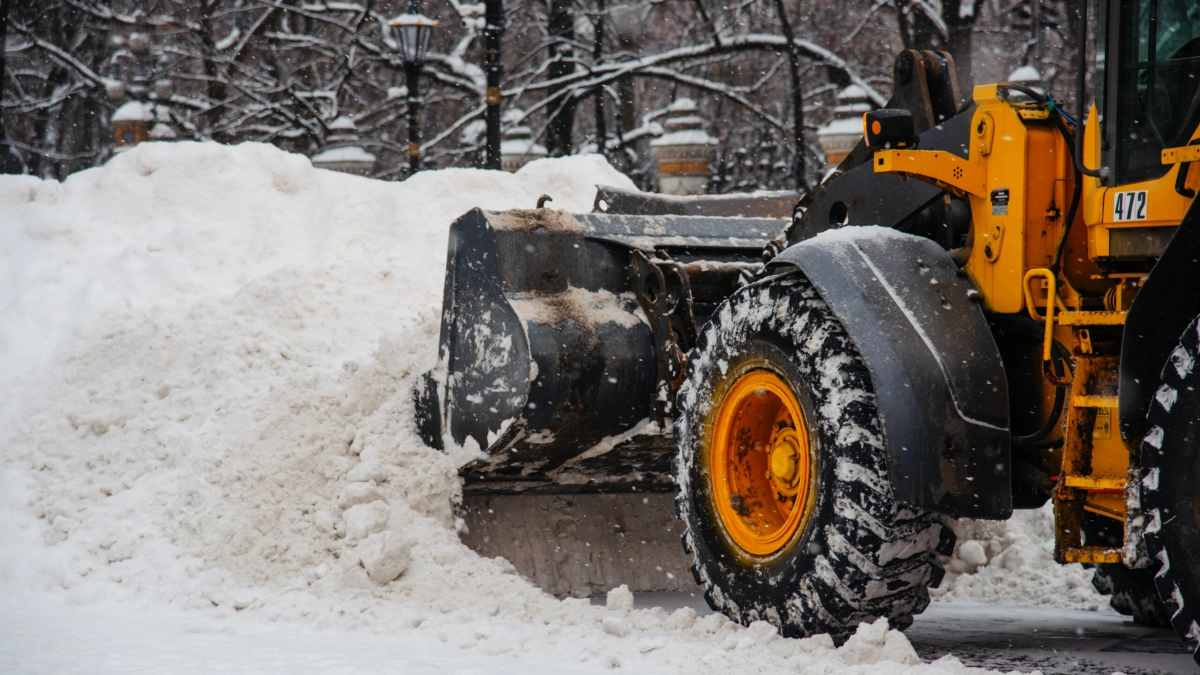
column 546, row 359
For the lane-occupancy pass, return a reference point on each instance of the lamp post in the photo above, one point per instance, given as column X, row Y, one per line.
column 413, row 29
column 492, row 31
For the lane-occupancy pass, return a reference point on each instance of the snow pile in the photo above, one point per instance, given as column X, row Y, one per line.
column 1012, row 563
column 214, row 349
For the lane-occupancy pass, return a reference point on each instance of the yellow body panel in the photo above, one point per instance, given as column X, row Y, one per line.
column 999, row 256
column 1093, row 191
column 948, row 171
column 1019, row 179
column 1164, row 207
column 1017, row 176
column 1188, row 153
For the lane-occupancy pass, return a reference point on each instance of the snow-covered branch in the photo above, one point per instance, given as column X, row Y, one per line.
column 60, row 55
column 736, row 43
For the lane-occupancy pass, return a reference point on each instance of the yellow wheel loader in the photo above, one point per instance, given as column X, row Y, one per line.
column 988, row 305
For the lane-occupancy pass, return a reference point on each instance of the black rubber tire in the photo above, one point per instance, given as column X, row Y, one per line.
column 1170, row 460
column 1131, row 591
column 862, row 555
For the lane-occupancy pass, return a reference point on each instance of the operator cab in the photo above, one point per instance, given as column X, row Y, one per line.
column 1149, row 103
column 1155, row 72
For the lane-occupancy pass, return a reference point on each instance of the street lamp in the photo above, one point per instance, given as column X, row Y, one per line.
column 492, row 32
column 413, row 29
column 487, row 17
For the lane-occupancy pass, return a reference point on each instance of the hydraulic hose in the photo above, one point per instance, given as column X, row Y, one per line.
column 1059, row 356
column 1037, row 96
column 1056, row 118
column 1076, row 192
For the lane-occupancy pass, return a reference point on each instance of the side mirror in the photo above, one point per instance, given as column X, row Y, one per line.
column 890, row 128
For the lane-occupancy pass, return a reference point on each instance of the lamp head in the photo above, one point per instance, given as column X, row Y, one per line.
column 412, row 30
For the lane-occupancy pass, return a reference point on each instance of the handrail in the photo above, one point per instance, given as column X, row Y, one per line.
column 1053, row 302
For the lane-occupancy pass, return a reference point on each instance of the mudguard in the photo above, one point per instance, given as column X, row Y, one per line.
column 1167, row 302
column 939, row 381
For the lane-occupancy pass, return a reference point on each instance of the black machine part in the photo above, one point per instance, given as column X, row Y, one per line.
column 889, row 128
column 553, row 325
column 763, row 204
column 939, row 380
column 1167, row 301
column 863, row 197
column 1131, row 590
column 924, row 84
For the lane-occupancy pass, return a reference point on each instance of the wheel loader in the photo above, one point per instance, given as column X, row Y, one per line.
column 990, row 304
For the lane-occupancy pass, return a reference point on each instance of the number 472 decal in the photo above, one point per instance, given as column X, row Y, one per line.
column 1129, row 206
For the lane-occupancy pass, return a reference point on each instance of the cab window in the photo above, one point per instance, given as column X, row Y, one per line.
column 1158, row 84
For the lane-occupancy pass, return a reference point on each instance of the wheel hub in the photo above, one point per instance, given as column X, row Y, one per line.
column 786, row 461
column 761, row 464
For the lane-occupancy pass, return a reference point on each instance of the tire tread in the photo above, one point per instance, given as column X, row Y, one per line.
column 1180, row 372
column 852, row 580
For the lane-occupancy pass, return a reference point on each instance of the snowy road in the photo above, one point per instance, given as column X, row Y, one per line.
column 40, row 635
column 1054, row 641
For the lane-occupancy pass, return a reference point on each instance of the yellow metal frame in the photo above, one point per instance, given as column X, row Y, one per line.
column 1092, row 554
column 1051, row 285
column 1096, row 482
column 1188, row 153
column 944, row 169
column 1018, row 180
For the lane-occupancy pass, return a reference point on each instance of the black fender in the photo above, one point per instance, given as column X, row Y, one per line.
column 939, row 381
column 1167, row 302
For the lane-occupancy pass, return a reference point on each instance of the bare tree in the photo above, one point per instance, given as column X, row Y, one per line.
column 280, row 71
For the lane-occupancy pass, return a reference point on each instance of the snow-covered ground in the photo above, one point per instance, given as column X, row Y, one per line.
column 207, row 354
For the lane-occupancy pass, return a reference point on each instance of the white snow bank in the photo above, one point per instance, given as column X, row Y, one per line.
column 213, row 349
column 39, row 636
column 1012, row 563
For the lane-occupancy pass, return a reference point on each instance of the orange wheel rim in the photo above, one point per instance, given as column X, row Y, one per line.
column 761, row 464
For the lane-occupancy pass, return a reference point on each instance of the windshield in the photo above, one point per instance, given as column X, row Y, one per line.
column 1158, row 84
